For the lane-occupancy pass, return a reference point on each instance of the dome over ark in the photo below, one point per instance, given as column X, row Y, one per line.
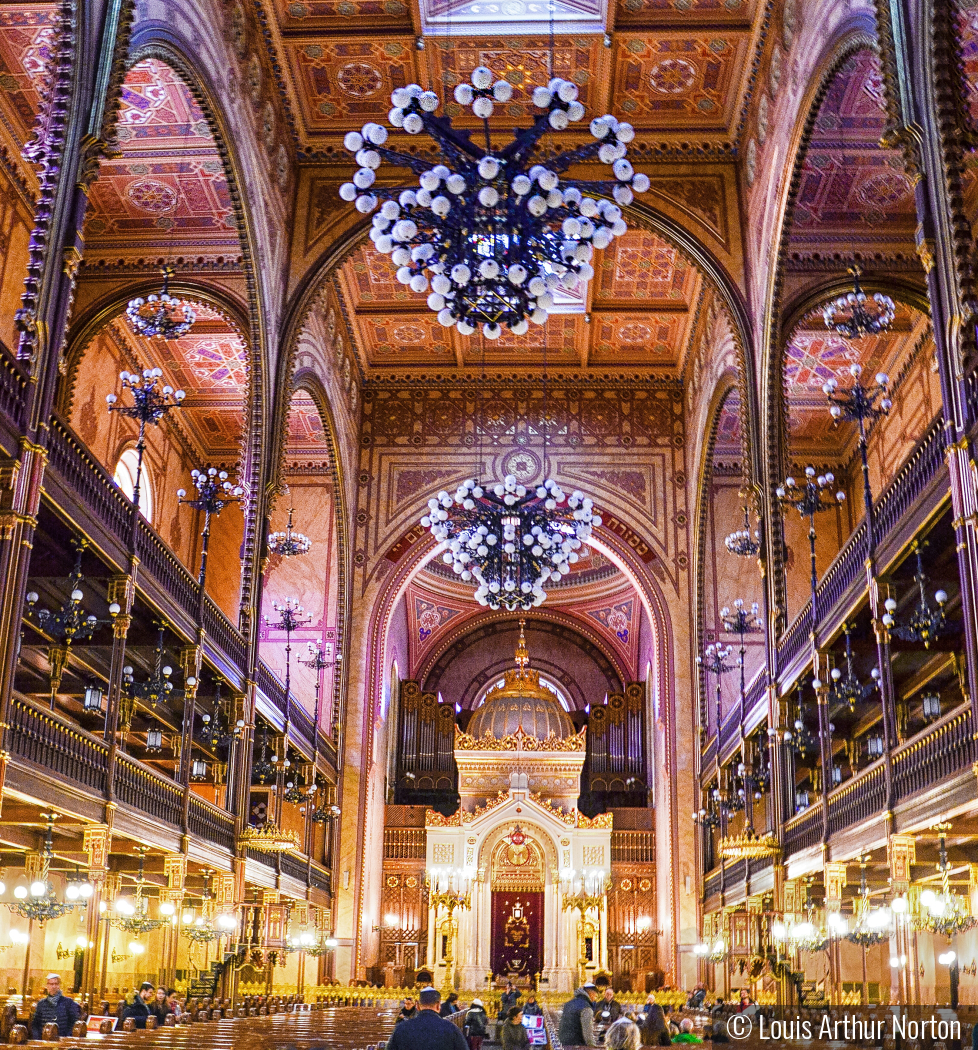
column 521, row 700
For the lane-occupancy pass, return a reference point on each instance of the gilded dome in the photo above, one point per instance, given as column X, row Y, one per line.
column 521, row 701
column 501, row 715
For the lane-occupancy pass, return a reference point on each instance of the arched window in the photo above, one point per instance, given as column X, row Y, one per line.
column 125, row 478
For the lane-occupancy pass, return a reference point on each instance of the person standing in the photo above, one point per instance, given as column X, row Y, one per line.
column 55, row 1008
column 514, row 1036
column 427, row 1031
column 508, row 1000
column 449, row 1006
column 476, row 1024
column 138, row 1009
column 577, row 1019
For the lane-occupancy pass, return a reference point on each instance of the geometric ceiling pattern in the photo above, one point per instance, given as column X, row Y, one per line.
column 854, row 195
column 167, row 194
column 305, row 434
column 815, row 355
column 727, row 444
column 210, row 364
column 25, row 36
column 638, row 311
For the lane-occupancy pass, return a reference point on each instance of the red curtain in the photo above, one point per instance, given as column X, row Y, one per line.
column 517, row 932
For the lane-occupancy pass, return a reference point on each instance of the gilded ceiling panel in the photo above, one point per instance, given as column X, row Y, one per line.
column 669, row 80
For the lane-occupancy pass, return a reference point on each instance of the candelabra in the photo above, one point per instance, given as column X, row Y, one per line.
column 741, row 542
column 156, row 690
column 863, row 405
column 39, row 902
column 218, row 731
column 847, row 688
column 162, row 315
column 290, row 543
column 320, row 658
column 714, row 661
column 855, row 314
column 871, row 926
column 925, row 624
column 214, row 493
column 264, row 770
column 67, row 624
column 449, row 889
column 583, row 892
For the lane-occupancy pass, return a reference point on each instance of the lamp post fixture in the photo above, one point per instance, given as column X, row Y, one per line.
column 449, row 889
column 814, row 497
column 157, row 690
column 321, row 657
column 67, row 624
column 583, row 892
column 847, row 688
column 863, row 405
column 214, row 493
column 743, row 621
column 291, row 616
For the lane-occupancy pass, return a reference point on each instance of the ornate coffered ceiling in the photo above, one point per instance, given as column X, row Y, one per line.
column 639, row 313
column 854, row 195
column 672, row 67
column 815, row 355
column 166, row 195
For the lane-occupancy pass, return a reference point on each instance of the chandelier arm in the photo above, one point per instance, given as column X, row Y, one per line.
column 526, row 141
column 401, row 160
column 456, row 142
column 565, row 160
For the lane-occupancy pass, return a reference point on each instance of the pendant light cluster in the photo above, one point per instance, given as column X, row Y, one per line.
column 511, row 541
column 489, row 233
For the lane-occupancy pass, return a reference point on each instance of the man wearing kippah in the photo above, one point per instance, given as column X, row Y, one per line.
column 55, row 1008
column 427, row 1031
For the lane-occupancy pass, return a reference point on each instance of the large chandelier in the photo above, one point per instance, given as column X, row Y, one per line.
column 492, row 233
column 39, row 902
column 289, row 544
column 944, row 912
column 510, row 540
column 856, row 314
column 164, row 315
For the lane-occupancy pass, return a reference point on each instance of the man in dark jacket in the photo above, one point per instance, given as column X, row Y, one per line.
column 55, row 1007
column 138, row 1009
column 577, row 1020
column 427, row 1031
column 532, row 1008
column 608, row 1009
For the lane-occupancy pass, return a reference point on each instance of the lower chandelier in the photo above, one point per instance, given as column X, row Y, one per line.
column 748, row 846
column 269, row 838
column 509, row 539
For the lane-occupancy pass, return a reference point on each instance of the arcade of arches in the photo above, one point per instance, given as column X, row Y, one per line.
column 325, row 765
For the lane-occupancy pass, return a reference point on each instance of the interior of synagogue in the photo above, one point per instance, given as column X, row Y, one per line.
column 488, row 501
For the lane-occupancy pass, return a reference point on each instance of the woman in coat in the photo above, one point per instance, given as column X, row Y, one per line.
column 514, row 1036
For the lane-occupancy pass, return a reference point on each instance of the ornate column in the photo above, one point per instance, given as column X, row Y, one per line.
column 175, row 869
column 901, row 855
column 96, row 842
column 929, row 119
column 71, row 137
column 835, row 882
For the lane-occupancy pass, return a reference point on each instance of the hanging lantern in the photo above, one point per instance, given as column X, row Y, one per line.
column 95, row 699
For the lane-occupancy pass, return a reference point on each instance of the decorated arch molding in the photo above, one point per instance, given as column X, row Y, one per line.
column 154, row 41
column 850, row 41
column 725, row 385
column 546, row 621
column 622, row 551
